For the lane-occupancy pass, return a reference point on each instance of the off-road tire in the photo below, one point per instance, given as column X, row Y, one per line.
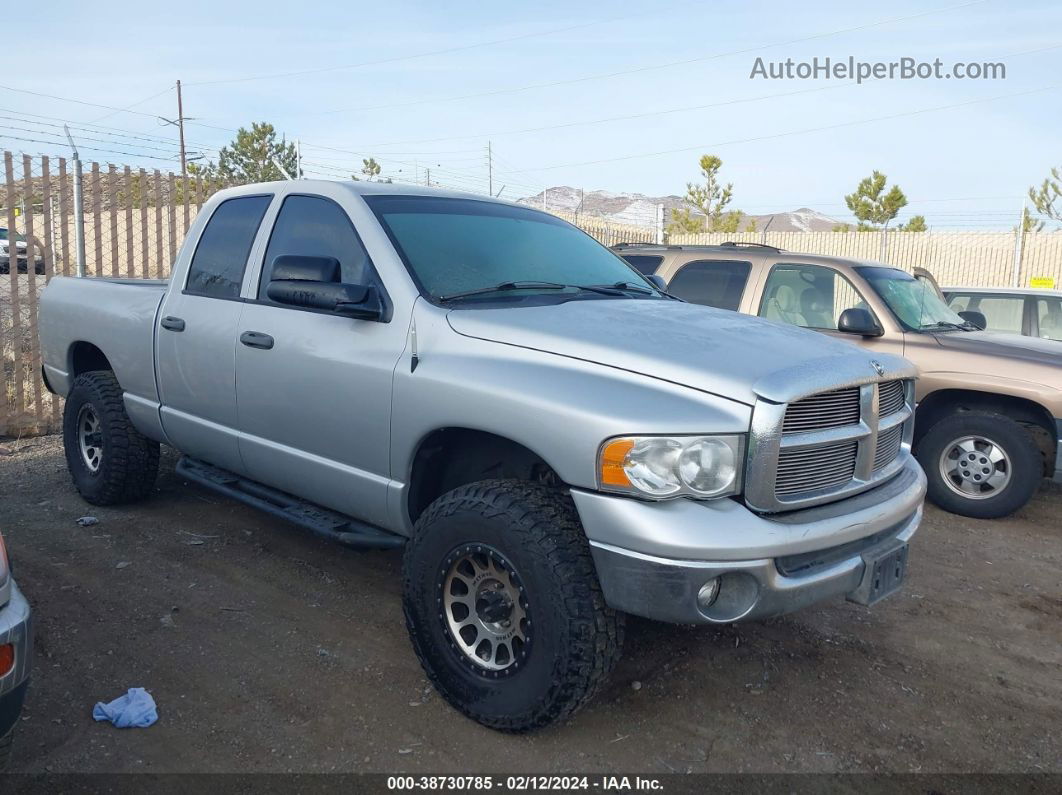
column 1027, row 465
column 129, row 463
column 576, row 637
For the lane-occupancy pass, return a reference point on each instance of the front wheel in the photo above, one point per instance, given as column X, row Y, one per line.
column 503, row 605
column 980, row 464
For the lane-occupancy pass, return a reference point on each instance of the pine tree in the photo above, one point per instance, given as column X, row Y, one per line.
column 870, row 207
column 916, row 224
column 252, row 157
column 1048, row 197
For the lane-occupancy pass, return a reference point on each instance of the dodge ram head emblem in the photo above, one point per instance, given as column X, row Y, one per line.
column 877, row 366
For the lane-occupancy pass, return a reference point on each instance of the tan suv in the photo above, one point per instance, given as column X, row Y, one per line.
column 989, row 416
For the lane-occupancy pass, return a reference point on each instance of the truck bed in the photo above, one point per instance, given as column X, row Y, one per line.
column 113, row 315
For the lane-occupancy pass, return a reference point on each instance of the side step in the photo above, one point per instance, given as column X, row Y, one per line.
column 329, row 524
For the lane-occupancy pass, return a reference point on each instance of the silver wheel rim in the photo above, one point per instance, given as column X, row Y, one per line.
column 975, row 467
column 90, row 437
column 485, row 610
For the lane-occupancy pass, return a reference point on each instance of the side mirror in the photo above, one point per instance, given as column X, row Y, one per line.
column 856, row 320
column 353, row 300
column 976, row 318
column 657, row 282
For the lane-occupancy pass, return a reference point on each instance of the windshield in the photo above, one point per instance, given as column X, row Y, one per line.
column 914, row 301
column 459, row 247
column 3, row 235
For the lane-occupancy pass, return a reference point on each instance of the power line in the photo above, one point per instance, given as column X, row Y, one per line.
column 773, row 136
column 641, row 69
column 397, row 58
column 138, row 102
column 89, row 148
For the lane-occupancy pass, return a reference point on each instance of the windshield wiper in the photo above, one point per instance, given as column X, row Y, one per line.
column 943, row 324
column 503, row 287
column 629, row 287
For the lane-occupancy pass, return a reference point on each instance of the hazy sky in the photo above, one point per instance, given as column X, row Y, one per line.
column 362, row 94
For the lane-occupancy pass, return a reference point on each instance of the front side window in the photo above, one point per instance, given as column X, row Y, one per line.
column 645, row 264
column 455, row 246
column 221, row 254
column 312, row 226
column 718, row 283
column 808, row 295
column 1049, row 314
column 916, row 304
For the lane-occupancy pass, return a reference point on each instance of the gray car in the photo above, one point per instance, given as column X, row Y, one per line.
column 553, row 440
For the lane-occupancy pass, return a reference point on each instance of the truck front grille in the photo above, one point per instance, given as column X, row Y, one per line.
column 815, row 468
column 888, row 446
column 828, row 410
column 828, row 445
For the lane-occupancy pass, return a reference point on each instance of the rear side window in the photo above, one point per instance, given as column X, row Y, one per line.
column 312, row 226
column 221, row 255
column 644, row 263
column 718, row 283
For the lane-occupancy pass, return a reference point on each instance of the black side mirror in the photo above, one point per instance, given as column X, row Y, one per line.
column 657, row 282
column 310, row 269
column 976, row 318
column 857, row 320
column 353, row 300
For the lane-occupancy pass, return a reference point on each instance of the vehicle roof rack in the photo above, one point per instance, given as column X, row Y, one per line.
column 736, row 244
column 641, row 245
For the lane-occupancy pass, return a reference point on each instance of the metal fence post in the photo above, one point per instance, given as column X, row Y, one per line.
column 79, row 210
column 1019, row 245
column 660, row 224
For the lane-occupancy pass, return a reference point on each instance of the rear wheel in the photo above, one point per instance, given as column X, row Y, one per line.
column 110, row 461
column 503, row 605
column 980, row 464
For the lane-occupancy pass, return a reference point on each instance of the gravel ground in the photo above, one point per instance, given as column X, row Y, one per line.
column 269, row 650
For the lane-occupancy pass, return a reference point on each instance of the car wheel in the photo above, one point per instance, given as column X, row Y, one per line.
column 503, row 605
column 110, row 461
column 980, row 464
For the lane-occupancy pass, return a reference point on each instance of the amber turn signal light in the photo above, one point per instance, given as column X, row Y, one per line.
column 613, row 455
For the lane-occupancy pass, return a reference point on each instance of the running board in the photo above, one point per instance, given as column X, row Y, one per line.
column 328, row 524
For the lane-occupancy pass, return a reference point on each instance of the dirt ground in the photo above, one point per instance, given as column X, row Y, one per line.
column 269, row 650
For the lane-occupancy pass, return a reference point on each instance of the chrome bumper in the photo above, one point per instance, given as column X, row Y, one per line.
column 653, row 558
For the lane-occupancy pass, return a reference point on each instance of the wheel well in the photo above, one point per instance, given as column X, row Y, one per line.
column 1036, row 419
column 451, row 457
column 84, row 356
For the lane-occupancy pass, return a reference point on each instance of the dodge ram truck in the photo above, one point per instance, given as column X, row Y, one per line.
column 553, row 440
column 988, row 423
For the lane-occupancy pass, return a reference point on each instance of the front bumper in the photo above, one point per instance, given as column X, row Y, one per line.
column 652, row 558
column 16, row 628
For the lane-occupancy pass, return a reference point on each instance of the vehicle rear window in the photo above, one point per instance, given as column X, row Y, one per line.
column 718, row 283
column 645, row 264
column 221, row 255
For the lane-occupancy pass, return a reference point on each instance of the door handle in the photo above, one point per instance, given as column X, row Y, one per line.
column 173, row 323
column 256, row 339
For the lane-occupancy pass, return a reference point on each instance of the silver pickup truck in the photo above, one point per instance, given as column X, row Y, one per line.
column 554, row 440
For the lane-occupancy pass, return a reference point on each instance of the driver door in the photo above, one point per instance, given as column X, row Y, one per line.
column 313, row 388
column 813, row 297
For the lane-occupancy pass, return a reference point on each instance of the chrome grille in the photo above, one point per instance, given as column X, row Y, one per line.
column 888, row 446
column 891, row 398
column 827, row 410
column 815, row 468
column 828, row 445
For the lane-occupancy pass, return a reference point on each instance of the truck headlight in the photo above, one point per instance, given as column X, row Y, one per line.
column 672, row 466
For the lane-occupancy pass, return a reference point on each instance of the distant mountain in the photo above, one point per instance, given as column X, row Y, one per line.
column 639, row 209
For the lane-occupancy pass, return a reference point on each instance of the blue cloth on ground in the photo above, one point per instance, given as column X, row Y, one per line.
column 136, row 709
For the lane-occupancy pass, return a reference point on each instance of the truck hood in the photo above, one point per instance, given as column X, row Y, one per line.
column 995, row 343
column 723, row 353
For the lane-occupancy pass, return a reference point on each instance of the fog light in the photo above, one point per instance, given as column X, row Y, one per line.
column 707, row 594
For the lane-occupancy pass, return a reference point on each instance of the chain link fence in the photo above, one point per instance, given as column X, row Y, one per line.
column 134, row 220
